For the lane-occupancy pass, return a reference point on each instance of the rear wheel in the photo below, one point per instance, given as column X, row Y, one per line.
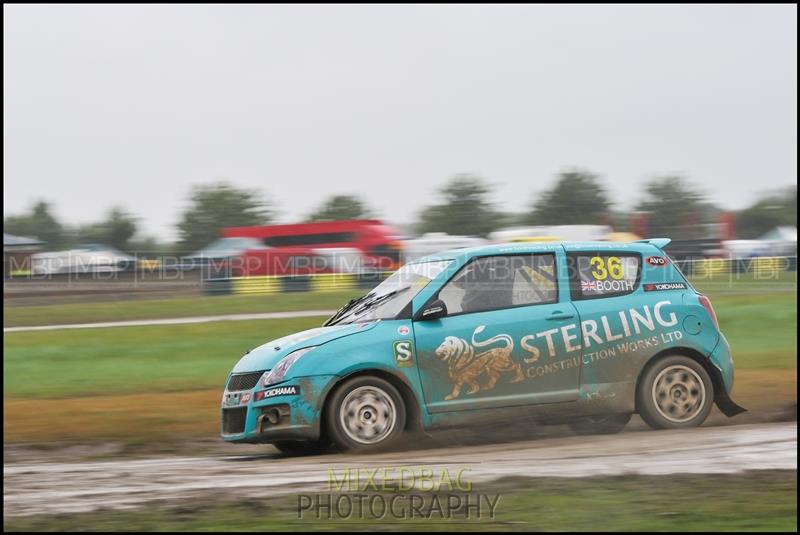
column 601, row 425
column 365, row 414
column 675, row 392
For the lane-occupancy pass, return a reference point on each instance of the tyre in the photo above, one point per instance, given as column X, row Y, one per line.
column 601, row 425
column 298, row 448
column 675, row 392
column 365, row 414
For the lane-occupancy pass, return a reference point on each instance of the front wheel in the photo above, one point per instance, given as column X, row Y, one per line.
column 675, row 392
column 365, row 414
column 601, row 425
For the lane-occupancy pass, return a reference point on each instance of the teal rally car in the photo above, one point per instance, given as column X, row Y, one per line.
column 580, row 333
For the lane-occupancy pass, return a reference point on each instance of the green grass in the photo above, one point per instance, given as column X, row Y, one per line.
column 14, row 316
column 761, row 328
column 746, row 281
column 80, row 362
column 752, row 501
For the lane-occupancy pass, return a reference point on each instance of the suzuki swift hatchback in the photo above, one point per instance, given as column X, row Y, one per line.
column 583, row 333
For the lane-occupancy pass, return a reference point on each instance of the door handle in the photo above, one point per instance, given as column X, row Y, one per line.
column 558, row 315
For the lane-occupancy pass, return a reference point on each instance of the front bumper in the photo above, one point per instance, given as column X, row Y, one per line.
column 278, row 417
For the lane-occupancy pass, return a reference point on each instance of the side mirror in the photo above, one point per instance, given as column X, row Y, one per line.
column 434, row 311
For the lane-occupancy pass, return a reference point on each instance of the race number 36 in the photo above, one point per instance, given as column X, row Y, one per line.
column 602, row 269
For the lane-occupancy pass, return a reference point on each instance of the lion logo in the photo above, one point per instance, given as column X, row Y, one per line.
column 465, row 366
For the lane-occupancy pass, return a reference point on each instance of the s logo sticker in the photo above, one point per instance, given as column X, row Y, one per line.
column 403, row 353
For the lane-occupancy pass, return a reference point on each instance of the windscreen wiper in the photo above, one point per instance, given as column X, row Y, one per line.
column 365, row 304
column 350, row 304
column 378, row 299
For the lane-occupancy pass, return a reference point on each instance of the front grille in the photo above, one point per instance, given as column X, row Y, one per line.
column 244, row 381
column 233, row 420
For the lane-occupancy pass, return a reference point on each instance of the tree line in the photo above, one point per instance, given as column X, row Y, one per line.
column 668, row 206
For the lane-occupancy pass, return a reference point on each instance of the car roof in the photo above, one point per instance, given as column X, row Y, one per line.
column 541, row 247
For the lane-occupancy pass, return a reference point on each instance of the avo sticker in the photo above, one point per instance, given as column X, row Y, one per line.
column 403, row 330
column 403, row 353
column 656, row 260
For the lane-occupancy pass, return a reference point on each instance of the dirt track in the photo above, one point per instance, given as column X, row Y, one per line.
column 50, row 487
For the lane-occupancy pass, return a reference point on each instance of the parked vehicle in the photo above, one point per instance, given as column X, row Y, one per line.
column 781, row 241
column 379, row 244
column 87, row 258
column 585, row 333
column 743, row 249
column 433, row 242
column 222, row 249
column 551, row 233
column 296, row 261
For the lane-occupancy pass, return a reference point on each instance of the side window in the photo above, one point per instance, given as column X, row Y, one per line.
column 603, row 274
column 496, row 282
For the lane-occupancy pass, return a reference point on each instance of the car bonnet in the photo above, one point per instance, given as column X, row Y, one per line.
column 266, row 356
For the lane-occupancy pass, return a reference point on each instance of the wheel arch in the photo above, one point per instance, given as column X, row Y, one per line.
column 413, row 415
column 716, row 376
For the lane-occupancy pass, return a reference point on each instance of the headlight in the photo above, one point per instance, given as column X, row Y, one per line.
column 276, row 374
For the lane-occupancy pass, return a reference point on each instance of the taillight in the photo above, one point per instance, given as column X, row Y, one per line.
column 706, row 302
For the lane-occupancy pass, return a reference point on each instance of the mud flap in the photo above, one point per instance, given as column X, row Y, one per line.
column 727, row 406
column 724, row 402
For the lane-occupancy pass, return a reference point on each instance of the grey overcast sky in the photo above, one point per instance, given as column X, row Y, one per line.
column 132, row 105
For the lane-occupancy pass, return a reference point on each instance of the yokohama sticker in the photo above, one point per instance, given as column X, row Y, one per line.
column 290, row 390
column 664, row 286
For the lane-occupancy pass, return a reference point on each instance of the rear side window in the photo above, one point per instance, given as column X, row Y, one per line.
column 600, row 274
